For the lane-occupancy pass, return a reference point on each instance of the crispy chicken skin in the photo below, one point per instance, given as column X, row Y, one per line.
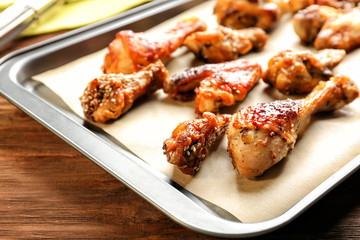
column 192, row 140
column 111, row 95
column 307, row 23
column 129, row 52
column 341, row 32
column 259, row 136
column 224, row 44
column 215, row 85
column 240, row 14
column 296, row 5
column 296, row 72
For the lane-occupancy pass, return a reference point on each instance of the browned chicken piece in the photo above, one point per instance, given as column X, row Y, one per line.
column 296, row 5
column 215, row 85
column 259, row 136
column 341, row 32
column 111, row 95
column 192, row 141
column 328, row 27
column 129, row 52
column 240, row 14
column 224, row 88
column 340, row 4
column 296, row 72
column 307, row 23
column 225, row 44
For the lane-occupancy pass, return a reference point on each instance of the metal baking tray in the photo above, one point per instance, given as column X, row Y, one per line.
column 44, row 106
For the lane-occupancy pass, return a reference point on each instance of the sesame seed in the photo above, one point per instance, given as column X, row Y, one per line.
column 193, row 148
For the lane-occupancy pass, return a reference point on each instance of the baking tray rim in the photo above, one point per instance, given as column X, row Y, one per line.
column 186, row 210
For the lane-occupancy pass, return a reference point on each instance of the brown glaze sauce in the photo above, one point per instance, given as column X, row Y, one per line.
column 235, row 77
column 189, row 131
column 277, row 116
column 143, row 50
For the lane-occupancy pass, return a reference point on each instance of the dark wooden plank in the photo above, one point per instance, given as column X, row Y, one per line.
column 48, row 189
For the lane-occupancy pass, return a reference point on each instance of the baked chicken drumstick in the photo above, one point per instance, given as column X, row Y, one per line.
column 111, row 95
column 215, row 85
column 295, row 72
column 240, row 14
column 259, row 136
column 192, row 140
column 224, row 44
column 129, row 52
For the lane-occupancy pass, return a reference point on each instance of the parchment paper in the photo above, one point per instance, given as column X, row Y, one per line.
column 330, row 141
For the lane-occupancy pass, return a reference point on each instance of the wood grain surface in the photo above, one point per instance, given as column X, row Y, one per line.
column 49, row 190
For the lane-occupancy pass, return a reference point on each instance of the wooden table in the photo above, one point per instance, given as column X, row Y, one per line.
column 49, row 190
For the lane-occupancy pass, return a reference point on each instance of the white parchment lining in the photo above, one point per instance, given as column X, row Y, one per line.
column 330, row 141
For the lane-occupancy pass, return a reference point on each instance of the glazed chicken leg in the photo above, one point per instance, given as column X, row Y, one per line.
column 295, row 72
column 259, row 136
column 240, row 14
column 224, row 44
column 192, row 140
column 111, row 95
column 129, row 52
column 215, row 85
